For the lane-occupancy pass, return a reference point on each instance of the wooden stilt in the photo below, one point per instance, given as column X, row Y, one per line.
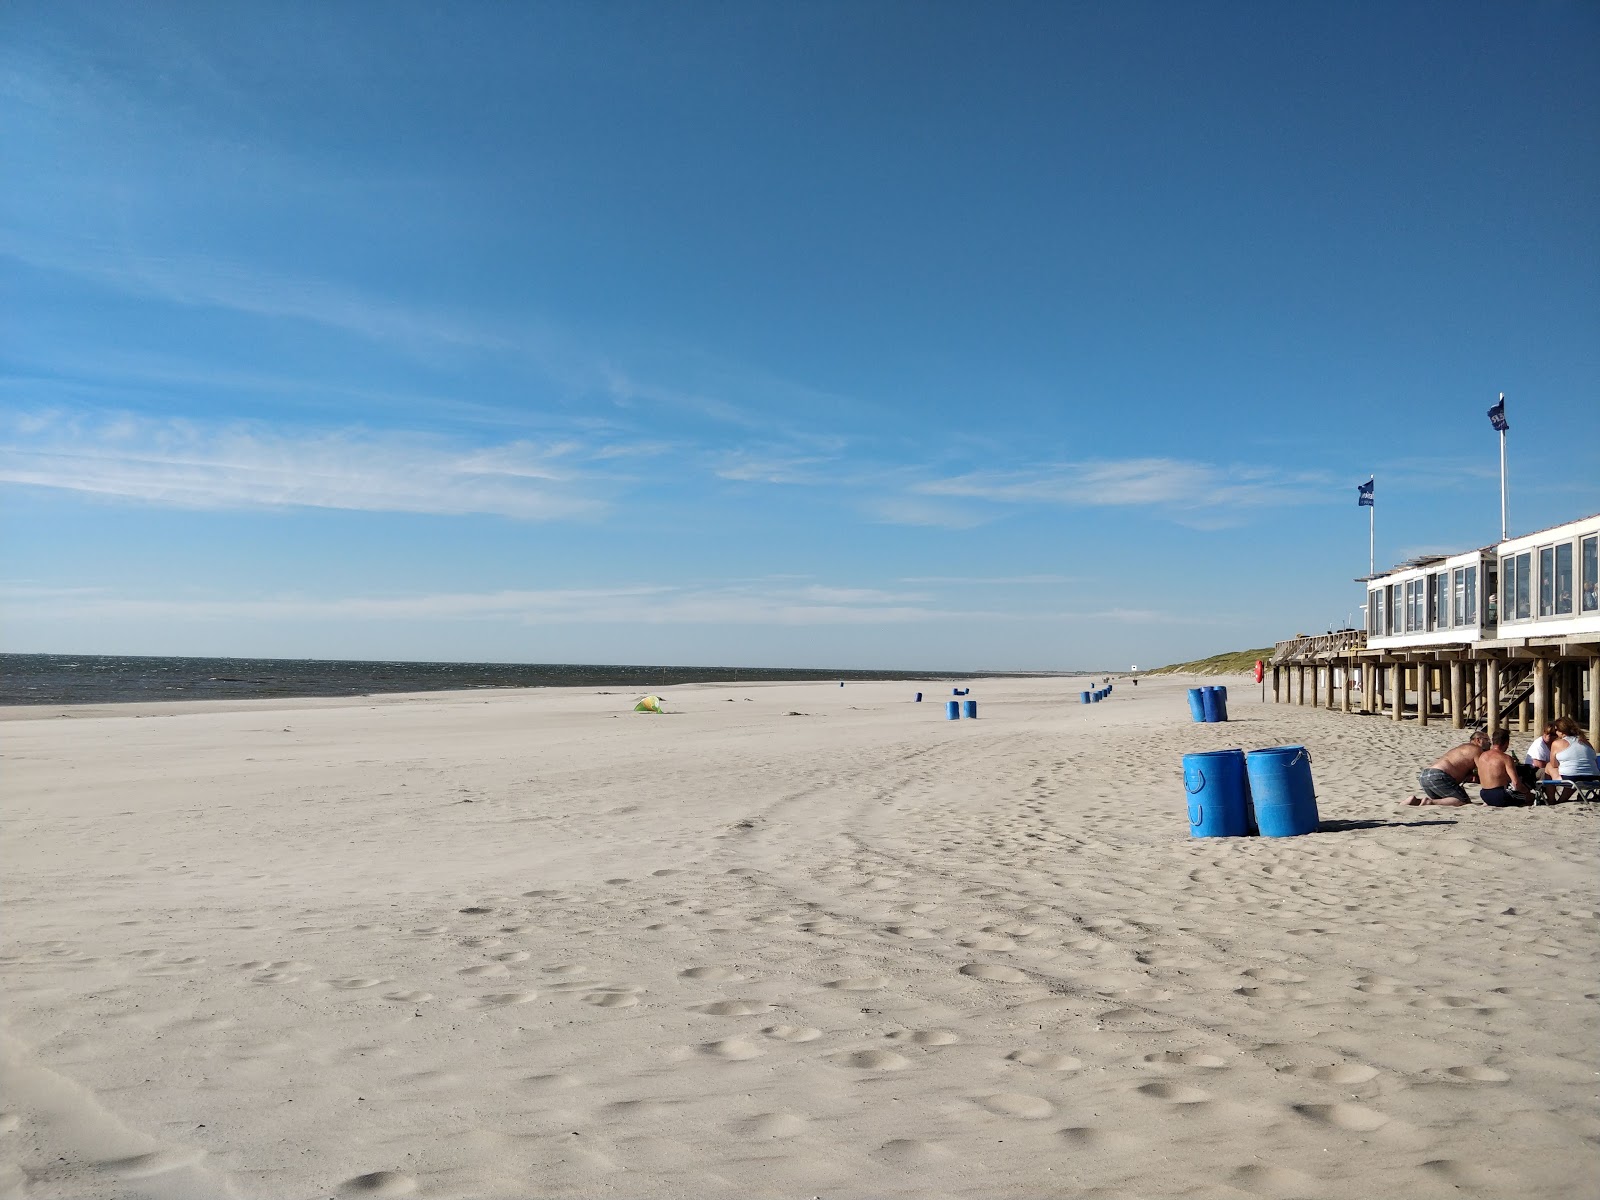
column 1491, row 671
column 1398, row 700
column 1424, row 692
column 1541, row 693
column 1594, row 701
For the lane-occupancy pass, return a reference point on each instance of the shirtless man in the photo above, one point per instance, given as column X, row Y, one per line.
column 1441, row 783
column 1497, row 774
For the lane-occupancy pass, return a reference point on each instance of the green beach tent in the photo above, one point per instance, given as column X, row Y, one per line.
column 649, row 704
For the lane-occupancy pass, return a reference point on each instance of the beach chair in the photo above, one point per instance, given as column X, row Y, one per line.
column 1584, row 787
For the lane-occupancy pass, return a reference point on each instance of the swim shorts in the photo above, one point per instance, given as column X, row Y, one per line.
column 1498, row 797
column 1437, row 785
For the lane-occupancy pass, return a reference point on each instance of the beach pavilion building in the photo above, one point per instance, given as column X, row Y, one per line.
column 1505, row 634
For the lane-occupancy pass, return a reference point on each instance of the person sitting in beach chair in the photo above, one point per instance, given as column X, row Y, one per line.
column 1573, row 765
column 1537, row 758
column 1497, row 775
column 1441, row 783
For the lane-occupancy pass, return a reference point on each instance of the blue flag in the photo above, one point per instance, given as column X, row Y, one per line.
column 1497, row 416
column 1364, row 495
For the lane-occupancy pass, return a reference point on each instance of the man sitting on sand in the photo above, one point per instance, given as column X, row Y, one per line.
column 1441, row 783
column 1497, row 775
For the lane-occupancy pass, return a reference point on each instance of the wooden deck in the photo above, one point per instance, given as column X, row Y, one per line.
column 1521, row 683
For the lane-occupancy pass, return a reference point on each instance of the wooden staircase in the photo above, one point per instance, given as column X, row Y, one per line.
column 1516, row 685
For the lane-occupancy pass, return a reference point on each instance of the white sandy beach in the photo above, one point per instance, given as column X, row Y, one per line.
column 519, row 944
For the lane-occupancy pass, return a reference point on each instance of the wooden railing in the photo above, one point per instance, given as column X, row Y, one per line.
column 1319, row 646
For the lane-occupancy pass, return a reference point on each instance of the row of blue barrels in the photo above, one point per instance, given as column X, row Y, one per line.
column 953, row 710
column 1208, row 705
column 1234, row 794
column 1095, row 696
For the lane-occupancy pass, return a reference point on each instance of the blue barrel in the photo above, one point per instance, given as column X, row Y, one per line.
column 1281, row 788
column 952, row 710
column 1224, row 692
column 1096, row 697
column 1197, row 705
column 1219, row 804
column 1083, row 697
column 969, row 708
column 1216, row 708
column 919, row 698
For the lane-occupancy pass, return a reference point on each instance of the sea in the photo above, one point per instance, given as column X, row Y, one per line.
column 120, row 679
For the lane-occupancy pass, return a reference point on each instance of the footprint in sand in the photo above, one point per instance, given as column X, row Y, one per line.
column 1084, row 1137
column 512, row 956
column 502, row 999
column 732, row 1049
column 1272, row 975
column 1355, row 1117
column 355, row 983
column 159, row 1162
column 1337, row 1073
column 563, row 969
column 993, row 974
column 913, row 1152
column 611, row 999
column 1173, row 1093
column 873, row 1060
column 1044, row 1061
column 408, row 997
column 715, row 974
column 1478, row 1074
column 1018, row 1104
column 858, row 983
column 1281, row 1182
column 793, row 1033
column 1186, row 1058
column 484, row 970
column 379, row 1183
column 772, row 1125
column 925, row 1037
column 735, row 1008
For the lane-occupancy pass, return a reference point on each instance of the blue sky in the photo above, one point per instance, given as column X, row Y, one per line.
column 891, row 335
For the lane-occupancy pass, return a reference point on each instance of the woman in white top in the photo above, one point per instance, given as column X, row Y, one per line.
column 1571, row 756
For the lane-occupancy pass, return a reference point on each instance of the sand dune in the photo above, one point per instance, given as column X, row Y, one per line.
column 533, row 944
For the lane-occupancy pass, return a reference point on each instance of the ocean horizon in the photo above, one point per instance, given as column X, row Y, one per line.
column 127, row 678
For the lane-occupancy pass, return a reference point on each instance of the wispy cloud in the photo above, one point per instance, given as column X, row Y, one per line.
column 1105, row 483
column 646, row 604
column 186, row 465
column 990, row 580
column 918, row 510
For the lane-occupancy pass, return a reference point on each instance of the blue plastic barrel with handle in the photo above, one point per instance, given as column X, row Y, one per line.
column 1216, row 708
column 1219, row 804
column 1282, row 791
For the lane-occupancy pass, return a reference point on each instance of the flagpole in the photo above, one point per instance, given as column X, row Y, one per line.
column 1372, row 538
column 1503, row 533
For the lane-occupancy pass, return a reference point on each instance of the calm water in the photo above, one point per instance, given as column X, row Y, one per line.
column 95, row 679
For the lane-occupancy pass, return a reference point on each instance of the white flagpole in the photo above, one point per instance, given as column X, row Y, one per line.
column 1503, row 534
column 1372, row 535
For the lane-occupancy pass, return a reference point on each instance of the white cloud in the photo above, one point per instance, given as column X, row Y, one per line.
column 990, row 580
column 1160, row 482
column 915, row 510
column 183, row 464
column 641, row 604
